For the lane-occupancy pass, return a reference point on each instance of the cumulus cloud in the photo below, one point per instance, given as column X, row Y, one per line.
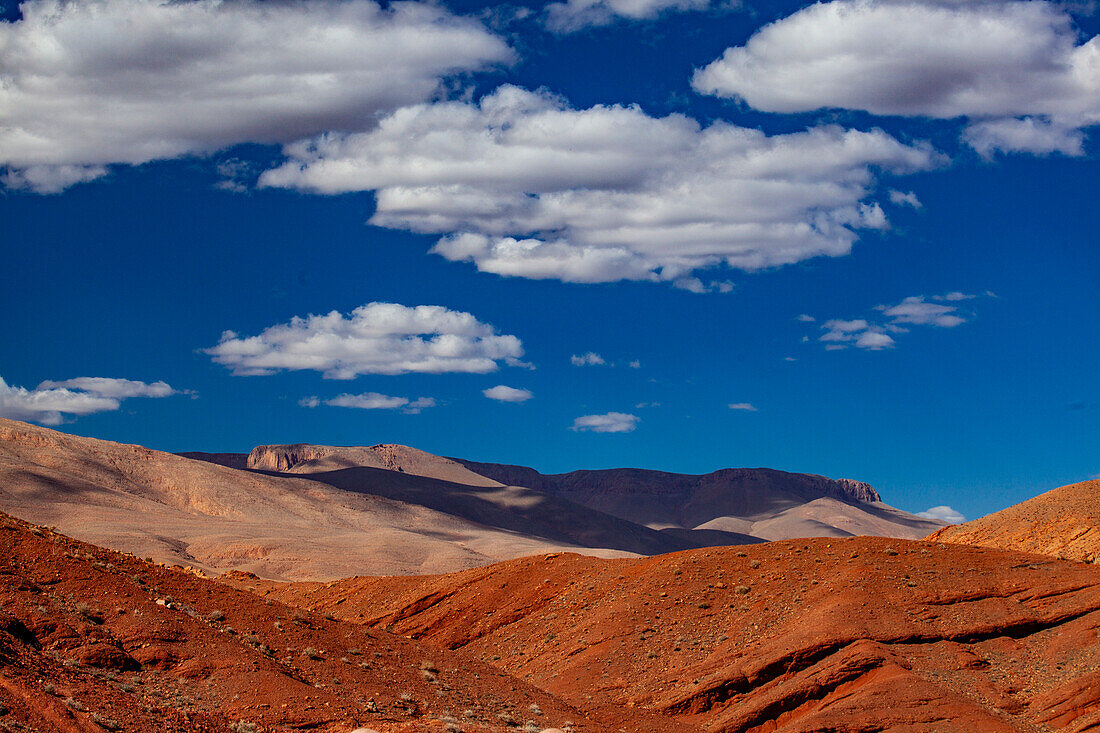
column 611, row 422
column 1023, row 79
column 521, row 184
column 51, row 401
column 943, row 514
column 589, row 359
column 503, row 393
column 746, row 406
column 805, row 318
column 573, row 15
column 87, row 84
column 916, row 310
column 371, row 401
column 377, row 338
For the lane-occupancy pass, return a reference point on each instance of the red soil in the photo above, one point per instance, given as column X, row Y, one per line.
column 802, row 635
column 94, row 640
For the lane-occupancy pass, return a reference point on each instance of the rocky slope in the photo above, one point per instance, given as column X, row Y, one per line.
column 1064, row 522
column 804, row 635
column 758, row 502
column 93, row 640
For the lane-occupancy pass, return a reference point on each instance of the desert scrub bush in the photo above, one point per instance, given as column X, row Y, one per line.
column 506, row 717
column 311, row 653
column 243, row 726
column 535, row 709
column 74, row 704
column 105, row 722
column 216, row 615
column 532, row 727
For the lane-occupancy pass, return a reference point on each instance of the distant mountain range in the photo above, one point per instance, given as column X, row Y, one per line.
column 321, row 512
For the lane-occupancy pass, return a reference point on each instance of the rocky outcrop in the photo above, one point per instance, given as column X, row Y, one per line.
column 284, row 458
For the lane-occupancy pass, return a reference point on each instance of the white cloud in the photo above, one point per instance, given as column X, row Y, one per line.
column 912, row 311
column 1025, row 135
column 1015, row 68
column 916, row 310
column 110, row 387
column 746, row 406
column 874, row 340
column 503, row 393
column 611, row 422
column 905, row 198
column 378, row 338
column 371, row 401
column 589, row 359
column 943, row 514
column 51, row 401
column 523, row 185
column 635, row 364
column 805, row 318
column 96, row 82
column 573, row 15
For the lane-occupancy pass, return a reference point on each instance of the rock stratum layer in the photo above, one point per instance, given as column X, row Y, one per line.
column 1064, row 523
column 803, row 635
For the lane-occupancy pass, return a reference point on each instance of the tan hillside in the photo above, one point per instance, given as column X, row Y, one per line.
column 191, row 512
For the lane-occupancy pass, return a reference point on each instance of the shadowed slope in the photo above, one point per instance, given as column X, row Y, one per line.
column 808, row 635
column 512, row 508
column 761, row 502
column 1064, row 522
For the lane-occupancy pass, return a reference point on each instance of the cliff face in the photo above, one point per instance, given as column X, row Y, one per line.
column 285, row 457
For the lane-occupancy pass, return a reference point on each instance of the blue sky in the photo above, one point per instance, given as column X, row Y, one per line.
column 556, row 182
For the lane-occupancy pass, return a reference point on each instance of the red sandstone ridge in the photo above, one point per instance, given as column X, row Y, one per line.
column 92, row 640
column 1064, row 522
column 803, row 635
